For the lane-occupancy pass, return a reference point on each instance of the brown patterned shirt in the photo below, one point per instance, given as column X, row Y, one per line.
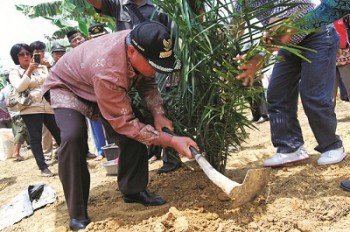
column 98, row 71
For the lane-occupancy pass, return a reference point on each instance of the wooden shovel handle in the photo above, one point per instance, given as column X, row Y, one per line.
column 193, row 150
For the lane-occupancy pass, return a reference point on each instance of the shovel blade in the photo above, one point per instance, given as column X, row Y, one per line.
column 254, row 182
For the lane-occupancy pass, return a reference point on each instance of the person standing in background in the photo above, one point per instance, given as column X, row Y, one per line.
column 30, row 75
column 19, row 129
column 49, row 145
column 57, row 51
column 343, row 57
column 75, row 38
column 97, row 30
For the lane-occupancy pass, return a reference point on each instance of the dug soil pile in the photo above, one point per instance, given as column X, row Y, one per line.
column 303, row 197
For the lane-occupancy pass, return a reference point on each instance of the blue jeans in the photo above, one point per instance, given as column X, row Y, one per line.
column 315, row 83
column 98, row 135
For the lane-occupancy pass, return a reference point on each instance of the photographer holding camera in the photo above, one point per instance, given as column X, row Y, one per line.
column 48, row 144
column 39, row 53
column 30, row 76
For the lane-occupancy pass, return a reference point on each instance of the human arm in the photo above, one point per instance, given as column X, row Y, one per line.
column 149, row 93
column 327, row 12
column 278, row 31
column 19, row 79
column 95, row 3
column 46, row 63
column 115, row 106
column 107, row 7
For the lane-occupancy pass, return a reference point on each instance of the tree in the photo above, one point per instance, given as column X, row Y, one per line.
column 65, row 14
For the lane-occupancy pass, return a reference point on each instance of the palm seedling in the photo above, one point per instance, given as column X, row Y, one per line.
column 209, row 103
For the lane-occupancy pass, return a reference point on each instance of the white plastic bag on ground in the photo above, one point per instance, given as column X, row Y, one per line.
column 6, row 143
column 23, row 205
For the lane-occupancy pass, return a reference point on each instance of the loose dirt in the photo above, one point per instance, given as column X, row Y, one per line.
column 303, row 197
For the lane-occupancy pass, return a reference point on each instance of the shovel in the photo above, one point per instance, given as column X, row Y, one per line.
column 254, row 181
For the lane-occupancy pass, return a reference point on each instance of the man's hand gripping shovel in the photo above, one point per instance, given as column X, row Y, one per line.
column 254, row 182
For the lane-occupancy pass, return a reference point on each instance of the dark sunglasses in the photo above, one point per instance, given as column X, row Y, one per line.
column 24, row 54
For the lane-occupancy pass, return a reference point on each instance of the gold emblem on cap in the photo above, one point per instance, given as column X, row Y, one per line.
column 167, row 48
column 167, row 44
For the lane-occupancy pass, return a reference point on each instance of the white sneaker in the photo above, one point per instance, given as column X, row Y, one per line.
column 332, row 156
column 281, row 159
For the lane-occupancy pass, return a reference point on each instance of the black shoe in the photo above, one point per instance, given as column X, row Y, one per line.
column 78, row 224
column 46, row 173
column 145, row 198
column 169, row 167
column 254, row 119
column 345, row 185
column 90, row 155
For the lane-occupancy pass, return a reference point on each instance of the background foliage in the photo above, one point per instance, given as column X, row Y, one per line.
column 67, row 15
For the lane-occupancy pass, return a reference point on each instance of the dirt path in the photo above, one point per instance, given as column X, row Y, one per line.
column 304, row 197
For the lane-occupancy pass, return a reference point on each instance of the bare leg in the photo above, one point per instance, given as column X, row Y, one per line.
column 16, row 152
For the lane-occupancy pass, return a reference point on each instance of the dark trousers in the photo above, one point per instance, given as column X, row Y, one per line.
column 258, row 104
column 72, row 165
column 34, row 124
column 73, row 170
column 133, row 161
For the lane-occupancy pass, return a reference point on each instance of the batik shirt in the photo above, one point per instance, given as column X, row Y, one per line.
column 98, row 72
column 328, row 12
column 302, row 9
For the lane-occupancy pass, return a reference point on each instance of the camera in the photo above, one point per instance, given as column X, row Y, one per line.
column 37, row 58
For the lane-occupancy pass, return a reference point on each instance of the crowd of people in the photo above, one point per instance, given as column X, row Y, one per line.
column 89, row 86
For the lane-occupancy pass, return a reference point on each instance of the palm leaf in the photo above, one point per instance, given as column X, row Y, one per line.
column 209, row 103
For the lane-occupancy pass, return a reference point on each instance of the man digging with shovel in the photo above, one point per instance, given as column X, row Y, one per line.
column 95, row 78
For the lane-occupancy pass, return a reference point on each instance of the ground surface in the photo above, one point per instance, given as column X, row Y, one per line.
column 303, row 197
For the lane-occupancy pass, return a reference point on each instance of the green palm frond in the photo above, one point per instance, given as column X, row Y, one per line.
column 209, row 103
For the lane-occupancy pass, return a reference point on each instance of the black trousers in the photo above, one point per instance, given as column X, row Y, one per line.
column 34, row 123
column 73, row 170
column 258, row 105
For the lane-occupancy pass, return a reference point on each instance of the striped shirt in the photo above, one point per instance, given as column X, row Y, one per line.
column 279, row 9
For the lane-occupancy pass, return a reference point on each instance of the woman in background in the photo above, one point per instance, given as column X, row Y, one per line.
column 30, row 75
